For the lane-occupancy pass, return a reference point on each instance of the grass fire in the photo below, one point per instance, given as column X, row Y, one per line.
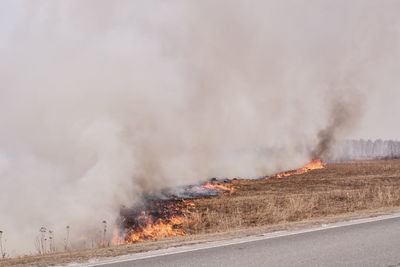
column 158, row 218
column 130, row 125
column 313, row 165
column 250, row 206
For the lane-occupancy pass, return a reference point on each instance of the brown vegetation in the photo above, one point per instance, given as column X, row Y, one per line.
column 341, row 190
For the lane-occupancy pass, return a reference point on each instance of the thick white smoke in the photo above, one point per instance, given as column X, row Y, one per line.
column 104, row 100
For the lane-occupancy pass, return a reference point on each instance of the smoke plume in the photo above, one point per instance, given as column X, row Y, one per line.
column 344, row 114
column 103, row 101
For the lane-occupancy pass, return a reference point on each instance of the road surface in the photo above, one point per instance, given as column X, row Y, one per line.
column 366, row 242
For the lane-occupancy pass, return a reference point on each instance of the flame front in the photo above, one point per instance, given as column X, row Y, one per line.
column 313, row 165
column 220, row 187
column 161, row 219
column 157, row 230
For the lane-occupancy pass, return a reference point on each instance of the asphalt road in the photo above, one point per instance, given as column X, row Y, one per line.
column 375, row 242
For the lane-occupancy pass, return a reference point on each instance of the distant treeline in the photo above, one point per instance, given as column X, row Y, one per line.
column 365, row 149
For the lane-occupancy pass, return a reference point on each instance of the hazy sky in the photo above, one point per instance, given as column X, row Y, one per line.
column 347, row 27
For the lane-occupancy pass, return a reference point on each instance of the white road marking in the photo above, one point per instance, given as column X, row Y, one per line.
column 216, row 244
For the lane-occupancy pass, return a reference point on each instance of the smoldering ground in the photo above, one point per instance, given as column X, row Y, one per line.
column 102, row 101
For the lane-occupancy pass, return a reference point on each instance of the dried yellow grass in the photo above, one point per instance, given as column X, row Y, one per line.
column 340, row 191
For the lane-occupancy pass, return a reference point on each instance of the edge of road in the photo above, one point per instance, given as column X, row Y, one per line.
column 234, row 241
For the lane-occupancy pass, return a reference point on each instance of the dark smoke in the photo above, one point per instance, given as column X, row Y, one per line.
column 343, row 116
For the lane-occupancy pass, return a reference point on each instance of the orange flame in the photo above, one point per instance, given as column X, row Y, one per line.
column 170, row 224
column 164, row 219
column 158, row 230
column 220, row 186
column 313, row 165
column 168, row 218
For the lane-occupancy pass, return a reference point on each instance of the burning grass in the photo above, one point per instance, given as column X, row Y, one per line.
column 158, row 218
column 335, row 190
column 315, row 190
column 155, row 220
column 315, row 164
column 338, row 190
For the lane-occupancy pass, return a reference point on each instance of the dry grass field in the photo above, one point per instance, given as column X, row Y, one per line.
column 337, row 189
column 341, row 190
